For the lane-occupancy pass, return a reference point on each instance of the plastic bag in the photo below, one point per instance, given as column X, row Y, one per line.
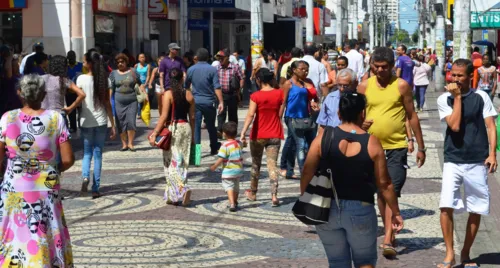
column 146, row 113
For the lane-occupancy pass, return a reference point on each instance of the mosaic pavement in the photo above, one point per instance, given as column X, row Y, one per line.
column 130, row 226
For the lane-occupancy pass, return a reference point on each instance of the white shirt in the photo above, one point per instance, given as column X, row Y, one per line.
column 23, row 62
column 91, row 114
column 215, row 63
column 317, row 72
column 355, row 63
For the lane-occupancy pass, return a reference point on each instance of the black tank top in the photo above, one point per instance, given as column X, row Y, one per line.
column 354, row 176
column 181, row 108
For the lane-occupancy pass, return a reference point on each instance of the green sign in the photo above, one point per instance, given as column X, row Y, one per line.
column 485, row 20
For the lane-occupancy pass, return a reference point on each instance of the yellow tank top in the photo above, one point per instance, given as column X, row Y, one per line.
column 385, row 108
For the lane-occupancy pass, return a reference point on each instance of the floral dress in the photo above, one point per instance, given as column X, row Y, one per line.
column 32, row 225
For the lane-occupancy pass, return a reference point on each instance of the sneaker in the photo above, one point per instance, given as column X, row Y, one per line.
column 232, row 208
column 85, row 185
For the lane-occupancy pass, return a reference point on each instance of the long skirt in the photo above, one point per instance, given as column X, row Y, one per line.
column 176, row 162
column 33, row 230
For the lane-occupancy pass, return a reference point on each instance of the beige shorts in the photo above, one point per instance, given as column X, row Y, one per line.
column 231, row 184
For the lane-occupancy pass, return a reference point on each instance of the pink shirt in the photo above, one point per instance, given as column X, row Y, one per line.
column 421, row 74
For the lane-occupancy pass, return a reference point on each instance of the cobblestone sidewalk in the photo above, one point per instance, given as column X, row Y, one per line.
column 130, row 226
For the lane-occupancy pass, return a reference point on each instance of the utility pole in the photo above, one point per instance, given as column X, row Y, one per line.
column 257, row 32
column 349, row 20
column 375, row 17
column 309, row 21
column 461, row 30
column 339, row 17
column 372, row 24
column 440, row 44
column 355, row 20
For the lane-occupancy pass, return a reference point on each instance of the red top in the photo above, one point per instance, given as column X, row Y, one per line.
column 267, row 123
column 285, row 57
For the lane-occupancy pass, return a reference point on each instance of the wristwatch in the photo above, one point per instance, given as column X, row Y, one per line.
column 411, row 139
column 423, row 150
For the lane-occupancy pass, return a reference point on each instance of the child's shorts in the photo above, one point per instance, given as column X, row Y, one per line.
column 231, row 184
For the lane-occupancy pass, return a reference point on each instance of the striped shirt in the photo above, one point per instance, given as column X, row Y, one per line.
column 230, row 151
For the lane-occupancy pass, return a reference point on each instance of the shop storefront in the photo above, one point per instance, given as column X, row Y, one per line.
column 112, row 20
column 11, row 23
column 163, row 16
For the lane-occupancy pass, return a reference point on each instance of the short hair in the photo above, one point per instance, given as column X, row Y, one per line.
column 383, row 54
column 404, row 48
column 32, row 89
column 230, row 129
column 202, row 54
column 295, row 65
column 353, row 43
column 296, row 52
column 121, row 56
column 465, row 63
column 344, row 58
column 351, row 105
column 310, row 49
column 347, row 72
column 476, row 49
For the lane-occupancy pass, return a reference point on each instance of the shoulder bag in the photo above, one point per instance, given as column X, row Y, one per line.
column 164, row 138
column 141, row 96
column 313, row 207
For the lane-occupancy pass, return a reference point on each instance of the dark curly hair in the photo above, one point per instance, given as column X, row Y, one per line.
column 58, row 66
column 100, row 73
column 176, row 76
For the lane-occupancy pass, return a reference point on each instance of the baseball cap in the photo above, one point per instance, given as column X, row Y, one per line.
column 173, row 46
column 38, row 44
column 223, row 53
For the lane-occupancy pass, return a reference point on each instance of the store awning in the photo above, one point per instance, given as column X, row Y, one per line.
column 13, row 4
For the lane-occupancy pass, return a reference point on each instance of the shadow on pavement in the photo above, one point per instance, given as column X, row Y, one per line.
column 488, row 258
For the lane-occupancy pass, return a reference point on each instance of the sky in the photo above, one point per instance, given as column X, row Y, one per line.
column 406, row 12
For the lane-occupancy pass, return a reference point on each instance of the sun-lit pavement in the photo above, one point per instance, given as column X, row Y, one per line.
column 130, row 226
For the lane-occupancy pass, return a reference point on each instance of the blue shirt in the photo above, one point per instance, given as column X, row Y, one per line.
column 74, row 71
column 297, row 104
column 328, row 115
column 204, row 80
column 406, row 64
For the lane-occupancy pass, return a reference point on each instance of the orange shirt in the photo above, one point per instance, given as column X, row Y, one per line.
column 477, row 63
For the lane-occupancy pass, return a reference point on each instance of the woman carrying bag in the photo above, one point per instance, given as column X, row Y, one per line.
column 357, row 166
column 178, row 114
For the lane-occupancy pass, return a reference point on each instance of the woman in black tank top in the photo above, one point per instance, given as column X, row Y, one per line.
column 178, row 115
column 357, row 165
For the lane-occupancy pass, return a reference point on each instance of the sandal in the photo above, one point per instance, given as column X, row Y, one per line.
column 249, row 193
column 445, row 264
column 124, row 149
column 469, row 263
column 187, row 199
column 389, row 251
column 132, row 149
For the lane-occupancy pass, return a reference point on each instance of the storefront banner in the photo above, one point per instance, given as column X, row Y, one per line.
column 158, row 9
column 126, row 7
column 327, row 17
column 104, row 24
column 212, row 3
column 13, row 4
column 198, row 25
column 485, row 14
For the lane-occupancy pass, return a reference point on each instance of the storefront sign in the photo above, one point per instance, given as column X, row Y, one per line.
column 212, row 3
column 328, row 17
column 198, row 25
column 485, row 20
column 158, row 9
column 128, row 7
column 13, row 4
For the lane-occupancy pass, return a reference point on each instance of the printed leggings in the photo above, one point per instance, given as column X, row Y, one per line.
column 272, row 147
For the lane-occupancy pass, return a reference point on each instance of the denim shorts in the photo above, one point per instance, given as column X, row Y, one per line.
column 350, row 236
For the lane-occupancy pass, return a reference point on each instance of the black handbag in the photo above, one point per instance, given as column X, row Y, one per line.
column 313, row 207
column 303, row 123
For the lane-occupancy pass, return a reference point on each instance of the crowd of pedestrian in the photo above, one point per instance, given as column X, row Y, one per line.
column 362, row 102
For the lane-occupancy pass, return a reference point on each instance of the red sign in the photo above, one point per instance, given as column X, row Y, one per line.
column 127, row 7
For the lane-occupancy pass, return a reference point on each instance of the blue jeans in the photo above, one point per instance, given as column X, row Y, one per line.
column 208, row 112
column 420, row 95
column 350, row 234
column 302, row 140
column 288, row 155
column 93, row 145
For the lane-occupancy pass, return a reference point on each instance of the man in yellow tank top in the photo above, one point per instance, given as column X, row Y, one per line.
column 389, row 106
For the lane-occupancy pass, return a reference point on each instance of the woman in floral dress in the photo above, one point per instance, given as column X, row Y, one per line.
column 32, row 226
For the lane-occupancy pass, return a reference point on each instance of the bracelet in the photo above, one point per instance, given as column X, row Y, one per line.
column 156, row 132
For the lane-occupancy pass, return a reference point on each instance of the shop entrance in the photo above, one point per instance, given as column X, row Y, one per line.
column 11, row 30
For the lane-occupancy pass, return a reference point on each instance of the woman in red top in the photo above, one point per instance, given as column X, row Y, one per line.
column 267, row 131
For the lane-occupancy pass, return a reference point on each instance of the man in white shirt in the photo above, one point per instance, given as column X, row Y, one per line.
column 317, row 70
column 355, row 59
column 37, row 47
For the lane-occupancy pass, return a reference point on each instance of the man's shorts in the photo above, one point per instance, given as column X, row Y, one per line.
column 231, row 184
column 474, row 177
column 396, row 166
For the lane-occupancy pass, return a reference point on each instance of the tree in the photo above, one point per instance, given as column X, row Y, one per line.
column 415, row 35
column 401, row 36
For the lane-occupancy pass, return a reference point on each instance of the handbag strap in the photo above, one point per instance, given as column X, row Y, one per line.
column 172, row 112
column 326, row 144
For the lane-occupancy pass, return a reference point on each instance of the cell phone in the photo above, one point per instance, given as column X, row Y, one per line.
column 158, row 139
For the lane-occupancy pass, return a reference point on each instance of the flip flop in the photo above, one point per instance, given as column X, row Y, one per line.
column 249, row 198
column 275, row 203
column 132, row 149
column 389, row 251
column 124, row 149
column 445, row 264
